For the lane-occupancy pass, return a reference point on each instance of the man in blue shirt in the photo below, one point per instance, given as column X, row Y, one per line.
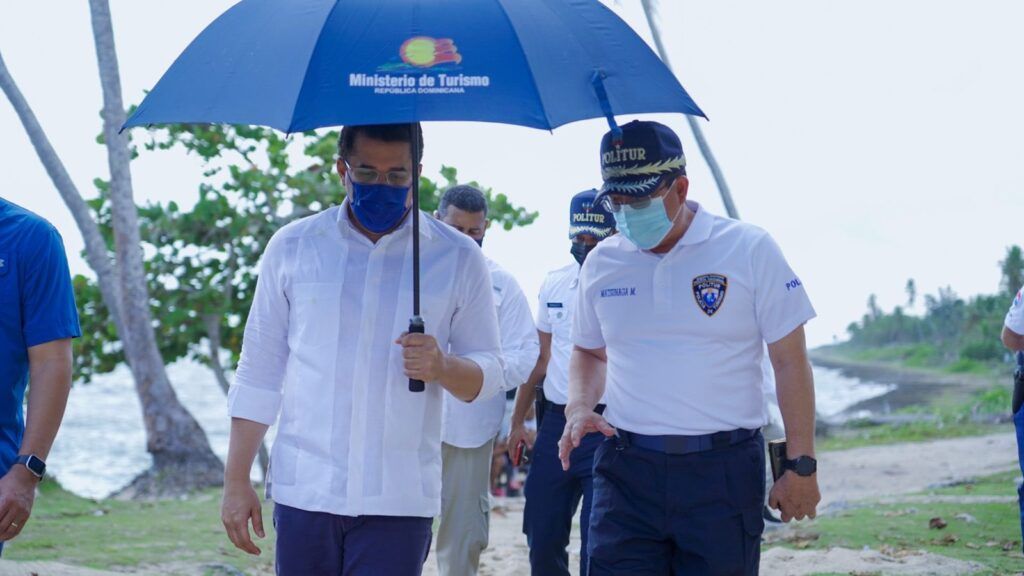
column 38, row 319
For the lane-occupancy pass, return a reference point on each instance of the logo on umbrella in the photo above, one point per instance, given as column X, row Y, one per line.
column 424, row 65
column 426, row 52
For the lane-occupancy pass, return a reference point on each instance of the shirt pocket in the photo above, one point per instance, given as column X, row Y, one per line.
column 560, row 318
column 316, row 315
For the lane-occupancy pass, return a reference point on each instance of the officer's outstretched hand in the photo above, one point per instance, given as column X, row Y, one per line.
column 580, row 421
column 795, row 496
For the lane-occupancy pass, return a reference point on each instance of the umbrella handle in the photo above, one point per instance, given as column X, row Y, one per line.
column 416, row 326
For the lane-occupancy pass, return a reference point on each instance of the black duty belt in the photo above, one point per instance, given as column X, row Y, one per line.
column 679, row 445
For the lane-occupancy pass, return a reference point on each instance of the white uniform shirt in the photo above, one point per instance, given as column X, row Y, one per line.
column 685, row 331
column 319, row 348
column 474, row 424
column 1015, row 317
column 555, row 307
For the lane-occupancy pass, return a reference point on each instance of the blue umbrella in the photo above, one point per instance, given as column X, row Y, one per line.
column 297, row 65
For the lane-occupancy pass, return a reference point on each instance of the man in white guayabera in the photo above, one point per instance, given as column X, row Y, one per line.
column 355, row 472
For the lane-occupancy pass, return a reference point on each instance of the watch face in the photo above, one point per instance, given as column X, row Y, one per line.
column 805, row 466
column 36, row 466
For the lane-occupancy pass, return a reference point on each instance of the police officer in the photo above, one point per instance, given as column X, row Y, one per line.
column 670, row 322
column 1013, row 326
column 468, row 430
column 553, row 495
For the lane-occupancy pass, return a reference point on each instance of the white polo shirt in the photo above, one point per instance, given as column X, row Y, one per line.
column 555, row 306
column 319, row 349
column 471, row 425
column 684, row 332
column 1015, row 317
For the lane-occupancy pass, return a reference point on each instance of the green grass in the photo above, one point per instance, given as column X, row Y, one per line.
column 859, row 437
column 111, row 534
column 905, row 527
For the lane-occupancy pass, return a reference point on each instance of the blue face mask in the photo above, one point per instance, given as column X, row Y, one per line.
column 378, row 207
column 646, row 227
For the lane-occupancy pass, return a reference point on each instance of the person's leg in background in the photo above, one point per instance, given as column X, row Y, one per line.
column 462, row 534
column 552, row 496
column 582, row 468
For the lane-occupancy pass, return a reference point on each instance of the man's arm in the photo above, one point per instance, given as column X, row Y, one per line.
column 586, row 387
column 254, row 399
column 796, row 496
column 1013, row 341
column 50, row 384
column 241, row 504
column 526, row 394
column 473, row 370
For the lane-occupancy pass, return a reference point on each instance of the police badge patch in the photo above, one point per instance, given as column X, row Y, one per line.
column 709, row 290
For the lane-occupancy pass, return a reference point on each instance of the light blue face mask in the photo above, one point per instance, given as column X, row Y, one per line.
column 646, row 227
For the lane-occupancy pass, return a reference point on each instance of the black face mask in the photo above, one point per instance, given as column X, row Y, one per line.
column 580, row 250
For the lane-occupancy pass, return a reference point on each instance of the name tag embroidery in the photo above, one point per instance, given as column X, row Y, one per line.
column 555, row 305
column 615, row 292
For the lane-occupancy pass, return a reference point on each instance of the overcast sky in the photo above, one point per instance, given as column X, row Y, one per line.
column 876, row 140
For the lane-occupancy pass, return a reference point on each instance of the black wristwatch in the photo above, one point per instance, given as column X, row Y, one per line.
column 34, row 464
column 803, row 466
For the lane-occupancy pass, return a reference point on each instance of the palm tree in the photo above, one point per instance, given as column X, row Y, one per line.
column 698, row 133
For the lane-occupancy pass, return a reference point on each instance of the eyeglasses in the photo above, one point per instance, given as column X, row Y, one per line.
column 362, row 175
column 635, row 203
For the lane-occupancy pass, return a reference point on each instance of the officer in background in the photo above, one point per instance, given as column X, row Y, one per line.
column 553, row 495
column 1013, row 327
column 468, row 431
column 670, row 322
column 1013, row 338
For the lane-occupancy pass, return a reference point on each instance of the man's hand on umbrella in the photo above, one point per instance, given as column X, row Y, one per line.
column 580, row 421
column 422, row 356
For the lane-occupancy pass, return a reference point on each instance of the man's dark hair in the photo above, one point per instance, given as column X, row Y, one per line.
column 464, row 197
column 382, row 132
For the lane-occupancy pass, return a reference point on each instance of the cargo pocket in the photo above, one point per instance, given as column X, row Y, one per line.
column 753, row 528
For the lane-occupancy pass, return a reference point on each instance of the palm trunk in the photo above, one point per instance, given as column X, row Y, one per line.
column 212, row 322
column 698, row 133
column 182, row 457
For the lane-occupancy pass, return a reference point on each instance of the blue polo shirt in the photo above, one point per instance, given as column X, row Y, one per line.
column 37, row 305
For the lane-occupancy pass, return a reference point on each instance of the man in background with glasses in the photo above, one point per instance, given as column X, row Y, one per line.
column 355, row 472
column 671, row 319
column 468, row 431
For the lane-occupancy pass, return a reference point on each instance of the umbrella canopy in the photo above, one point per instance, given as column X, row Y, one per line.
column 296, row 65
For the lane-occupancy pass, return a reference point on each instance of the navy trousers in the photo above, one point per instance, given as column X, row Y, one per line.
column 322, row 544
column 686, row 515
column 553, row 496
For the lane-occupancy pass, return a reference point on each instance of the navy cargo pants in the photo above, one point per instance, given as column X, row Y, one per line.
column 696, row 514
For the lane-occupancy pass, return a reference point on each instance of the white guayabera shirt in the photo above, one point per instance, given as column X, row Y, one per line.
column 319, row 349
column 472, row 425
